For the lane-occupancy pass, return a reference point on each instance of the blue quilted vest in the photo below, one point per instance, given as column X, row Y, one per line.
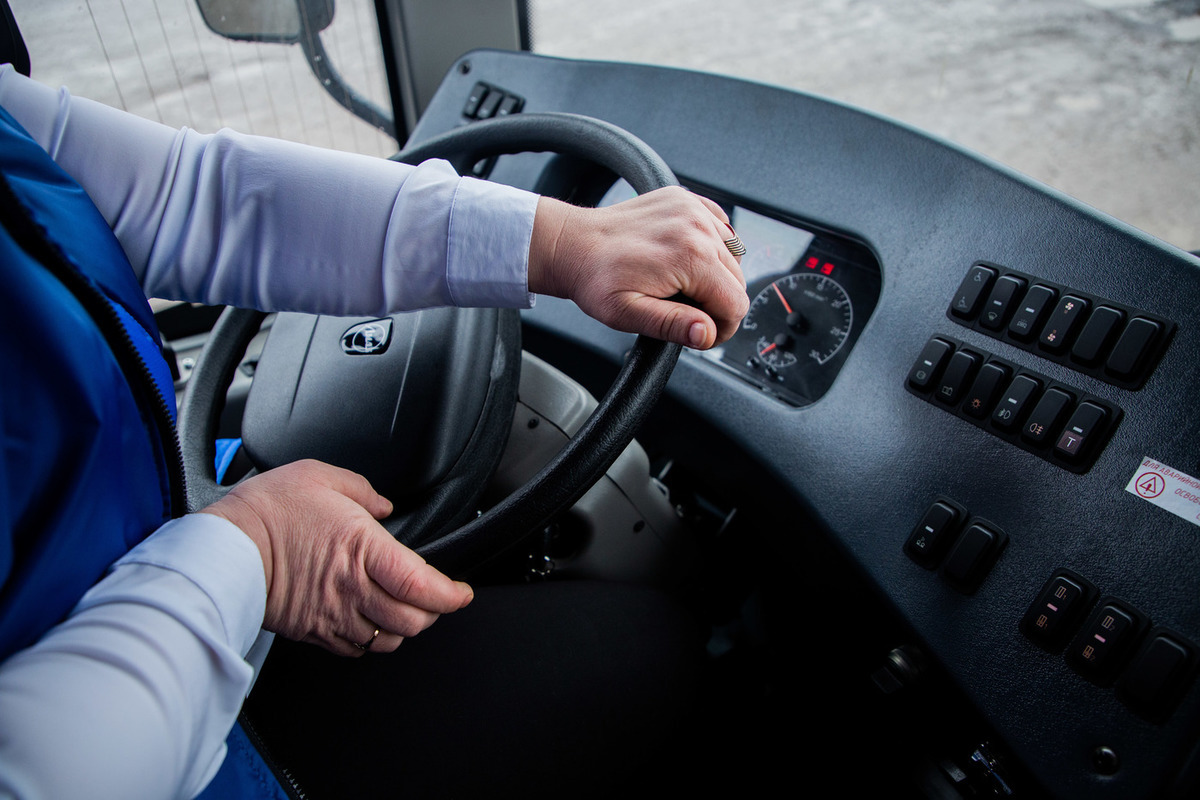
column 87, row 411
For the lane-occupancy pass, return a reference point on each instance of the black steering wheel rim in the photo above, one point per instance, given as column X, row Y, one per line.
column 588, row 454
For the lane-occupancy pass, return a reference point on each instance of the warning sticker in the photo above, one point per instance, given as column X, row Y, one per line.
column 1167, row 488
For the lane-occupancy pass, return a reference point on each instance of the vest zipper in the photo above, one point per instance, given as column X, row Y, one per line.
column 33, row 238
column 291, row 787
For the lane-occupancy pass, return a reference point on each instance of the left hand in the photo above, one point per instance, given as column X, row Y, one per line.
column 333, row 573
column 621, row 264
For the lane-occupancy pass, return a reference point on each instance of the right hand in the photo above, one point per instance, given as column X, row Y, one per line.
column 625, row 264
column 333, row 573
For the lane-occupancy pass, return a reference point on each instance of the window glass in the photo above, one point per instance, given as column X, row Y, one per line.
column 1098, row 98
column 158, row 59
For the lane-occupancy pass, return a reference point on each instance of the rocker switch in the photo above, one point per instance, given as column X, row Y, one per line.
column 957, row 376
column 929, row 539
column 1053, row 615
column 971, row 291
column 1085, row 422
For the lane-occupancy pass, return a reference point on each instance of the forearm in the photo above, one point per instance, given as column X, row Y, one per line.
column 226, row 218
column 134, row 694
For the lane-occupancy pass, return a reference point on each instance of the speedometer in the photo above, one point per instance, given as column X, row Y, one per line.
column 801, row 316
column 812, row 292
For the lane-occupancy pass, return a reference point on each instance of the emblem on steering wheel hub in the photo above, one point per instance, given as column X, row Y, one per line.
column 368, row 338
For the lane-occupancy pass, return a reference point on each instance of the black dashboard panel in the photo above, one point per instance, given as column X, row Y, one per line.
column 870, row 457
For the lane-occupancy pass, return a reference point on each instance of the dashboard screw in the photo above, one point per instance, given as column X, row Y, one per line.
column 464, row 67
column 1105, row 760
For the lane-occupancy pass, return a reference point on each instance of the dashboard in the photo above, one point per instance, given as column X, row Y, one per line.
column 980, row 392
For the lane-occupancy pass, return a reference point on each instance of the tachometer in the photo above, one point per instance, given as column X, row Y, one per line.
column 801, row 316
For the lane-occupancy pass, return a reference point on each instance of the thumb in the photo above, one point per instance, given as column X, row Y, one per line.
column 672, row 321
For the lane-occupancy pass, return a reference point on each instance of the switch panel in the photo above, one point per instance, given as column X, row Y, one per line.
column 1049, row 419
column 1113, row 342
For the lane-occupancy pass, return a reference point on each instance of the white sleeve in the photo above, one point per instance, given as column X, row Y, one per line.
column 134, row 694
column 250, row 221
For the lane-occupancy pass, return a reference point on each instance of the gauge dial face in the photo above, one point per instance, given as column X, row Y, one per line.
column 802, row 317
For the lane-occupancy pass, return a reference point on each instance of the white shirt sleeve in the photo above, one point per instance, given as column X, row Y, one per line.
column 134, row 694
column 256, row 222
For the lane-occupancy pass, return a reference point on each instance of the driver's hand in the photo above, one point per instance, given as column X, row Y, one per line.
column 620, row 263
column 333, row 573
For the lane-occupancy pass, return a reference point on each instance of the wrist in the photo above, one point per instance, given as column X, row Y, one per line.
column 242, row 515
column 549, row 248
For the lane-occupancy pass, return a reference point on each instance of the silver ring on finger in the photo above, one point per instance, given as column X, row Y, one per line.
column 735, row 246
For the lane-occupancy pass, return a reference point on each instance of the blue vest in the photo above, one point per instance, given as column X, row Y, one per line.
column 89, row 464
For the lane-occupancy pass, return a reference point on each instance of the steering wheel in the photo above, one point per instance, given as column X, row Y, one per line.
column 581, row 462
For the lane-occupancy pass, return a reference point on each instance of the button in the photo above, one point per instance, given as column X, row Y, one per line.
column 1000, row 302
column 1032, row 310
column 1103, row 645
column 958, row 374
column 1133, row 347
column 478, row 91
column 1155, row 679
column 1063, row 322
column 929, row 539
column 511, row 104
column 928, row 366
column 1052, row 617
column 1097, row 335
column 972, row 557
column 1104, row 642
column 1087, row 420
column 981, row 397
column 971, row 291
column 1011, row 408
column 490, row 103
column 1047, row 416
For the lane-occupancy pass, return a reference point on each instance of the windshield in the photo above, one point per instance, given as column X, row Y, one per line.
column 1097, row 98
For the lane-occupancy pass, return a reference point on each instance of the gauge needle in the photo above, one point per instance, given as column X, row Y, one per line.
column 782, row 299
column 767, row 349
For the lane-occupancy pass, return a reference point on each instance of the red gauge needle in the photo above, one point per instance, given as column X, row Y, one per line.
column 767, row 349
column 782, row 299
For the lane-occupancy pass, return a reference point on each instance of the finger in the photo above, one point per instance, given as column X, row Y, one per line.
column 672, row 322
column 405, row 576
column 386, row 641
column 715, row 208
column 724, row 230
column 722, row 295
column 395, row 616
column 353, row 486
column 732, row 262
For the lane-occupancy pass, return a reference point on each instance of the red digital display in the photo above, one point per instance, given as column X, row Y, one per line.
column 814, row 263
